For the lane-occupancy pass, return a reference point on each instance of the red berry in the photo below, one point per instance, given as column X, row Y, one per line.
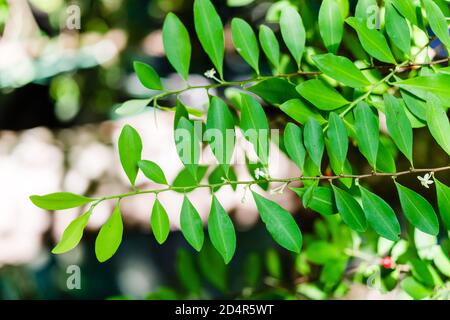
column 328, row 172
column 387, row 262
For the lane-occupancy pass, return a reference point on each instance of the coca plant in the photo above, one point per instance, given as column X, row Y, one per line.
column 334, row 95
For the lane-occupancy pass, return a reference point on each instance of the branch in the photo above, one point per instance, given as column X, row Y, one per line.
column 286, row 181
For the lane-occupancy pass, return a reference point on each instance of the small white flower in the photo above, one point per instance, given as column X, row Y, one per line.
column 425, row 180
column 210, row 74
column 260, row 173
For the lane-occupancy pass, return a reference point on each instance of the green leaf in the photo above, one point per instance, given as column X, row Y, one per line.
column 188, row 145
column 130, row 149
column 177, row 44
column 147, row 76
column 73, row 234
column 418, row 210
column 255, row 126
column 314, row 142
column 438, row 123
column 191, row 225
column 421, row 271
column 301, row 112
column 180, row 112
column 350, row 210
column 293, row 141
column 152, row 171
column 239, row 3
column 437, row 21
column 443, row 199
column 380, row 215
column 244, row 40
column 331, row 25
column 110, row 236
column 385, row 158
column 399, row 126
column 424, row 85
column 270, row 45
column 60, row 201
column 221, row 231
column 373, row 42
column 160, row 222
column 185, row 182
column 321, row 95
column 407, row 9
column 364, row 10
column 274, row 91
column 319, row 199
column 338, row 137
column 413, row 288
column 280, row 223
column 217, row 175
column 220, row 129
column 417, row 106
column 341, row 69
column 293, row 32
column 131, row 107
column 367, row 128
column 209, row 28
column 337, row 167
column 397, row 29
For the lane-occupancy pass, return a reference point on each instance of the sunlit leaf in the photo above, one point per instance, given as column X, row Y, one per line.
column 438, row 123
column 160, row 222
column 177, row 44
column 72, row 234
column 373, row 42
column 148, row 76
column 301, row 112
column 321, row 95
column 191, row 225
column 341, row 69
column 110, row 236
column 293, row 32
column 397, row 29
column 209, row 28
column 130, row 149
column 152, row 171
column 60, row 201
column 245, row 42
column 331, row 25
column 437, row 21
column 270, row 45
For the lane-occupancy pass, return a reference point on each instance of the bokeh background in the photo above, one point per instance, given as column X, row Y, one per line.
column 58, row 130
